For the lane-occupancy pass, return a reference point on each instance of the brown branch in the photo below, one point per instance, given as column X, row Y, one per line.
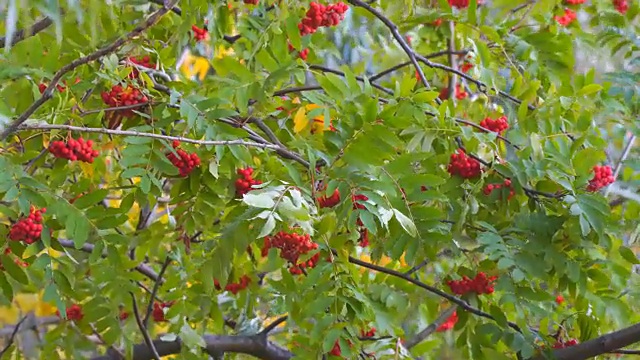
column 407, row 63
column 48, row 93
column 22, row 34
column 155, row 289
column 175, row 9
column 273, row 325
column 12, row 337
column 297, row 89
column 143, row 329
column 422, row 335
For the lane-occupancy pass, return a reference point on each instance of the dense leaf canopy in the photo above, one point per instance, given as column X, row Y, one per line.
column 277, row 179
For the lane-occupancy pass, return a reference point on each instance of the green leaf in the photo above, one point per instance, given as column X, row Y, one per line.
column 268, row 227
column 262, row 200
column 628, row 255
column 589, row 89
column 191, row 338
column 91, row 198
column 13, row 269
column 406, row 223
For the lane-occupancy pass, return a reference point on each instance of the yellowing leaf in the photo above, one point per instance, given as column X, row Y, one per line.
column 87, row 169
column 300, row 121
column 256, row 161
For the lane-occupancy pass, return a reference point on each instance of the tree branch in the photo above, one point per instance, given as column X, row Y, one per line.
column 623, row 157
column 273, row 325
column 144, row 134
column 48, row 93
column 155, row 289
column 143, row 329
column 422, row 335
column 12, row 337
column 22, row 34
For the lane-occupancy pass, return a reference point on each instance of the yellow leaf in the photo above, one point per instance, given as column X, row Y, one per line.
column 87, row 169
column 300, row 120
column 45, row 140
column 256, row 161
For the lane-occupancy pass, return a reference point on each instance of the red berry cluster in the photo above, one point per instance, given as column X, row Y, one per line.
column 567, row 18
column 460, row 92
column 559, row 299
column 28, row 229
column 481, row 284
column 329, row 201
column 302, row 54
column 560, row 344
column 461, row 4
column 119, row 96
column 123, row 315
column 74, row 312
column 602, row 177
column 320, row 15
column 158, row 310
column 449, row 323
column 185, row 162
column 291, row 246
column 42, row 86
column 336, row 350
column 363, row 240
column 368, row 334
column 74, row 150
column 251, row 2
column 143, row 61
column 199, row 34
column 464, row 166
column 245, row 182
column 496, row 125
column 621, row 6
column 18, row 262
column 465, row 67
column 507, row 184
column 234, row 287
column 574, row 2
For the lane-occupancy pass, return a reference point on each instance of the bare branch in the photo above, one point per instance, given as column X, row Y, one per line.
column 623, row 157
column 155, row 289
column 48, row 93
column 274, row 325
column 144, row 134
column 422, row 335
column 22, row 34
column 12, row 337
column 143, row 329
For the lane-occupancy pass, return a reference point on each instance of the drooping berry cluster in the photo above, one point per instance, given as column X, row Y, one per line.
column 302, row 54
column 184, row 161
column 622, row 6
column 602, row 176
column 507, row 184
column 336, row 350
column 463, row 166
column 17, row 260
column 496, row 125
column 460, row 93
column 320, row 15
column 199, row 34
column 28, row 229
column 43, row 86
column 235, row 288
column 245, row 182
column 142, row 61
column 449, row 323
column 481, row 284
column 329, row 201
column 119, row 96
column 369, row 333
column 74, row 150
column 291, row 246
column 363, row 239
column 74, row 313
column 158, row 310
column 561, row 344
column 461, row 4
column 567, row 18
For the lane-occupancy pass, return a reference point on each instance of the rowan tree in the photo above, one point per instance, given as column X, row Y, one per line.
column 295, row 179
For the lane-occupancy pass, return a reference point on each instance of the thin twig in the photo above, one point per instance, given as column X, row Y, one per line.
column 155, row 289
column 623, row 157
column 426, row 332
column 407, row 63
column 48, row 93
column 22, row 34
column 143, row 329
column 273, row 325
column 12, row 337
column 39, row 126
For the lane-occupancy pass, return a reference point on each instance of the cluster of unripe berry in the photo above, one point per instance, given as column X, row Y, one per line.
column 235, row 288
column 199, row 34
column 245, row 182
column 143, row 61
column 18, row 262
column 74, row 150
column 602, row 176
column 363, row 239
column 449, row 323
column 28, row 229
column 496, row 125
column 463, row 166
column 74, row 313
column 329, row 201
column 291, row 246
column 158, row 310
column 481, row 284
column 119, row 96
column 507, row 184
column 320, row 15
column 184, row 161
